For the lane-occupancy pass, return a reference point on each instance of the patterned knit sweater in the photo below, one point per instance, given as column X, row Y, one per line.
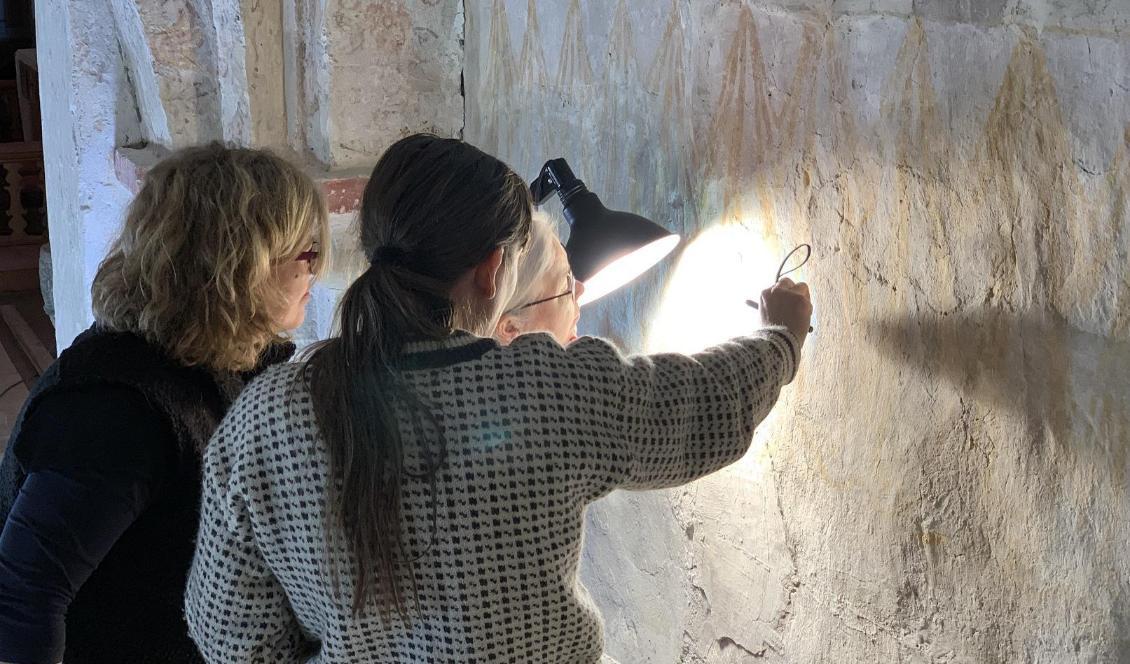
column 535, row 432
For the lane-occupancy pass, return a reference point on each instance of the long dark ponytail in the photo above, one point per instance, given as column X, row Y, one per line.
column 433, row 209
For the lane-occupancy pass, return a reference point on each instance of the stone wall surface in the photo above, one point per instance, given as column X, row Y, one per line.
column 947, row 478
column 335, row 81
column 88, row 108
column 394, row 68
column 328, row 83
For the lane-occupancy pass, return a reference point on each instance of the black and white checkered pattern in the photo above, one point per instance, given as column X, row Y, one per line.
column 535, row 433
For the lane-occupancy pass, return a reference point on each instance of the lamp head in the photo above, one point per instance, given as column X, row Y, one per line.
column 607, row 249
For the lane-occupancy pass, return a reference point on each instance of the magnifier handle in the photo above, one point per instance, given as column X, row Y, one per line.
column 757, row 306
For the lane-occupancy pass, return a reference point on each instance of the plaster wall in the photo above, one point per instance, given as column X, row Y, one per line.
column 946, row 480
column 328, row 83
column 87, row 109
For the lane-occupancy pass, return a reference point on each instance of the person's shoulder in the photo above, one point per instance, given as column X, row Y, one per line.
column 278, row 379
column 532, row 343
column 100, row 426
column 102, row 353
column 544, row 342
column 269, row 393
column 263, row 394
column 113, row 400
column 543, row 348
column 275, row 383
column 271, row 412
column 70, row 410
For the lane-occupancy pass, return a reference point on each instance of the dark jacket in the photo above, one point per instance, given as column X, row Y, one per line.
column 130, row 608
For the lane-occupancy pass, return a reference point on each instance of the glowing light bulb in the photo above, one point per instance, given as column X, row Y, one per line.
column 626, row 268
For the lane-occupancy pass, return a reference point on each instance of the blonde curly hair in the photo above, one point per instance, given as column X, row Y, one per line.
column 193, row 268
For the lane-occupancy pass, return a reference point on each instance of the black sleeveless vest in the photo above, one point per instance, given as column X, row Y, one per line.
column 131, row 607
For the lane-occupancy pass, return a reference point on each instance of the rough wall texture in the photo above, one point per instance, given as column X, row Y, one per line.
column 393, row 68
column 330, row 83
column 334, row 80
column 947, row 479
column 87, row 108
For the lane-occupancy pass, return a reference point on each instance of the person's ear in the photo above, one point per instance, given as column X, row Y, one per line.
column 507, row 330
column 486, row 274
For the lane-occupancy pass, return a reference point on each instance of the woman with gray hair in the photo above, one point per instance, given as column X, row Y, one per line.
column 545, row 299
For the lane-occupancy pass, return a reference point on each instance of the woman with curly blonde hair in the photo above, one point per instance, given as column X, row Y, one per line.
column 100, row 483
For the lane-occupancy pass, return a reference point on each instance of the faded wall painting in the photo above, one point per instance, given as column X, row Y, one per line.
column 947, row 478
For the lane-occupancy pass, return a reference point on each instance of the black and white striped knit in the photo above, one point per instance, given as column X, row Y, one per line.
column 535, row 432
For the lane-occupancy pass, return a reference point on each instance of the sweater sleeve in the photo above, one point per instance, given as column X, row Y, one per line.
column 680, row 417
column 236, row 609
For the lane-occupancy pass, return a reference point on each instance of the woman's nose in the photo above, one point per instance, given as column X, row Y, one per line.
column 578, row 290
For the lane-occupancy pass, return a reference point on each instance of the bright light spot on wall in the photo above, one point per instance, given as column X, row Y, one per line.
column 704, row 302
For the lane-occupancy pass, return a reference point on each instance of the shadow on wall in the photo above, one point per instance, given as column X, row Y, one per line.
column 1069, row 387
column 1063, row 395
column 957, row 455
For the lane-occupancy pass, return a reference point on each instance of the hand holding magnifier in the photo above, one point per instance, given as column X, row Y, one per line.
column 781, row 271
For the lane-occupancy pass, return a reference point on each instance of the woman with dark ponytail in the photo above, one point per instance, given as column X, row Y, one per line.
column 415, row 491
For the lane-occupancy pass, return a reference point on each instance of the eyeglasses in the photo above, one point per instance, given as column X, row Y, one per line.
column 572, row 286
column 308, row 256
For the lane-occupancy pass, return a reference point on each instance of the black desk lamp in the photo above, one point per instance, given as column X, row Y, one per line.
column 607, row 249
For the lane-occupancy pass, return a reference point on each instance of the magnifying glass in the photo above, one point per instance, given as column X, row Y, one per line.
column 781, row 271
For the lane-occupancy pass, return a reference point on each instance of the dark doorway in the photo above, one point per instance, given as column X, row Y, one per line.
column 26, row 333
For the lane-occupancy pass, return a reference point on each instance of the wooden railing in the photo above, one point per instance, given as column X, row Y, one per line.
column 23, row 204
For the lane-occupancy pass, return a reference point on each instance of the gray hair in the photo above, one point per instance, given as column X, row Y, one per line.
column 536, row 261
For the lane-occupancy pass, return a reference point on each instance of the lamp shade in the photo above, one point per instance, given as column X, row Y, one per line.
column 608, row 249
